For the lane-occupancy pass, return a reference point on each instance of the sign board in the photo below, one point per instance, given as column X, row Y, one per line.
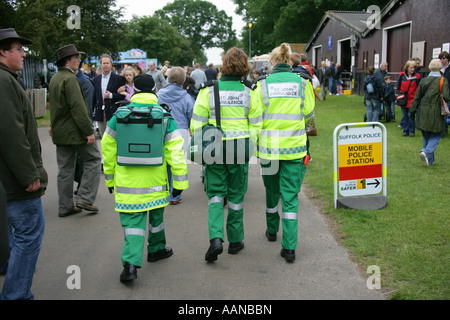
column 359, row 160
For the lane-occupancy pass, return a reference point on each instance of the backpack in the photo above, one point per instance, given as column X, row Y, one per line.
column 369, row 86
column 140, row 135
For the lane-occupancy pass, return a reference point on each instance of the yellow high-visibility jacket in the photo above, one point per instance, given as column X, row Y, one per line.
column 288, row 104
column 240, row 109
column 142, row 188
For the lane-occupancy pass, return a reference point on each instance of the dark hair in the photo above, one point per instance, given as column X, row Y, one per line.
column 7, row 44
column 62, row 63
column 235, row 63
column 371, row 70
column 444, row 54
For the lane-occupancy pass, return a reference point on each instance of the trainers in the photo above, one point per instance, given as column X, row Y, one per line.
column 73, row 211
column 411, row 134
column 86, row 206
column 174, row 203
column 424, row 159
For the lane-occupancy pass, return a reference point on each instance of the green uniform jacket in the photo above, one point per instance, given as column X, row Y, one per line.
column 427, row 106
column 20, row 149
column 71, row 124
column 289, row 103
column 143, row 188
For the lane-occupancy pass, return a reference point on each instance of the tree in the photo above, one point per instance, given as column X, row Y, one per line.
column 200, row 22
column 292, row 21
column 164, row 42
column 45, row 23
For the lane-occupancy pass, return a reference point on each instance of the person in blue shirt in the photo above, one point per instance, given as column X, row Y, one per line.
column 182, row 106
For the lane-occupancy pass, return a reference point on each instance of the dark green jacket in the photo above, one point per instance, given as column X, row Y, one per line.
column 20, row 148
column 71, row 124
column 426, row 105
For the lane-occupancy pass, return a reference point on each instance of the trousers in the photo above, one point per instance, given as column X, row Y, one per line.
column 283, row 177
column 87, row 191
column 226, row 180
column 133, row 224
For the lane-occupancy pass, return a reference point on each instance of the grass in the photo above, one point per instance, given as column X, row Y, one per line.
column 409, row 239
column 44, row 121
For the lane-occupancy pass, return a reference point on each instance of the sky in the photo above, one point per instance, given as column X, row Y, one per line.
column 145, row 7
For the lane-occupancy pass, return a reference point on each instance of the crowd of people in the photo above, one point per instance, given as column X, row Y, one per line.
column 256, row 113
column 418, row 97
column 79, row 103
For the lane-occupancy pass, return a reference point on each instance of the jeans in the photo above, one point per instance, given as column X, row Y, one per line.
column 390, row 110
column 408, row 124
column 430, row 143
column 27, row 219
column 373, row 110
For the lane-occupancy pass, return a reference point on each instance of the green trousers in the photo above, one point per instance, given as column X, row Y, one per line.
column 228, row 180
column 134, row 224
column 285, row 177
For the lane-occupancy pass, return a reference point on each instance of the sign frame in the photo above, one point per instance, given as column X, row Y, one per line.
column 357, row 201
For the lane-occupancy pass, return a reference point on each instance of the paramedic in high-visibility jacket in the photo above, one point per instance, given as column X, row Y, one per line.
column 288, row 100
column 240, row 117
column 141, row 188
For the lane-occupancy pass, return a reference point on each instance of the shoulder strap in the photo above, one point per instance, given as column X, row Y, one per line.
column 207, row 84
column 264, row 76
column 217, row 102
column 440, row 87
column 248, row 84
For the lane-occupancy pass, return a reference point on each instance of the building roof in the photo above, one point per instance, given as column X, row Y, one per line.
column 360, row 22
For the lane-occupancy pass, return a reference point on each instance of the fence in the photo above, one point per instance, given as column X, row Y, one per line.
column 38, row 98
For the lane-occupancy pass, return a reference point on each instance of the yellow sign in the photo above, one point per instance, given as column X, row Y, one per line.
column 360, row 154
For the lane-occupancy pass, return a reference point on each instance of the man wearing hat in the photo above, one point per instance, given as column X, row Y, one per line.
column 21, row 171
column 72, row 132
column 140, row 188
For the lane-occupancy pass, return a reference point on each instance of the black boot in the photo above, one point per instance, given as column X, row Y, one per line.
column 272, row 237
column 289, row 255
column 215, row 249
column 129, row 273
column 160, row 254
column 235, row 247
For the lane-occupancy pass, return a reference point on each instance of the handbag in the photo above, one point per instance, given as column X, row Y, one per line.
column 444, row 107
column 402, row 98
column 208, row 141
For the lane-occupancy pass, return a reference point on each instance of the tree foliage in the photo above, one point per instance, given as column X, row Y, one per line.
column 292, row 21
column 200, row 22
column 45, row 23
column 164, row 42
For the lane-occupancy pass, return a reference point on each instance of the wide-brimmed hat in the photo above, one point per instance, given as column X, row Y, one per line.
column 11, row 34
column 144, row 83
column 67, row 51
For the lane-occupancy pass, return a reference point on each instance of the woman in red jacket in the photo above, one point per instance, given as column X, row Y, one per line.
column 408, row 81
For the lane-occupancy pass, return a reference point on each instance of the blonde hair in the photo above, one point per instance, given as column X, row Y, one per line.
column 176, row 75
column 129, row 68
column 408, row 64
column 435, row 65
column 280, row 54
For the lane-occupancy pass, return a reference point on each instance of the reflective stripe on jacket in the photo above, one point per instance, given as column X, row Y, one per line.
column 240, row 109
column 288, row 104
column 142, row 188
